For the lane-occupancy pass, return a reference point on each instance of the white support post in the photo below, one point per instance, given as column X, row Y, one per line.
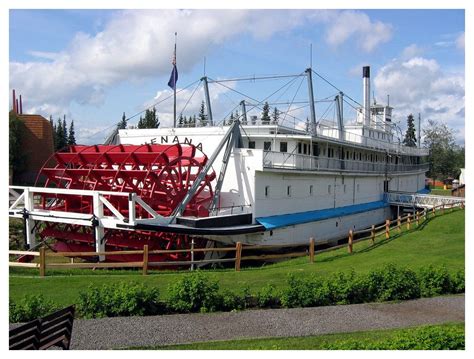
column 98, row 210
column 29, row 223
column 131, row 209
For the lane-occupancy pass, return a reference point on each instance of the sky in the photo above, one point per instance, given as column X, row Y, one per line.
column 94, row 65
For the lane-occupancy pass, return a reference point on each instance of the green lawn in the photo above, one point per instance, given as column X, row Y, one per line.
column 439, row 242
column 424, row 337
column 441, row 192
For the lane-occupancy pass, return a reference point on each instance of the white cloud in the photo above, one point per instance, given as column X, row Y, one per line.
column 137, row 44
column 420, row 85
column 411, row 51
column 355, row 24
column 460, row 41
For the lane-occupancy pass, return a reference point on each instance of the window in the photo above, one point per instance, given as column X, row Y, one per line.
column 283, row 146
column 311, row 190
column 288, row 191
column 251, row 144
column 267, row 191
column 267, row 146
column 315, row 149
column 299, row 147
column 353, row 155
column 305, row 148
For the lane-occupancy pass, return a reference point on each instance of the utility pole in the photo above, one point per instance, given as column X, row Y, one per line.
column 419, row 130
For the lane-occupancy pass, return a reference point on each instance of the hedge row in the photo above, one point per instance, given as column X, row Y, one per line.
column 198, row 292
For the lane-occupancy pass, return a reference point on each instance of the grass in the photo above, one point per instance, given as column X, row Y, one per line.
column 381, row 339
column 441, row 192
column 439, row 242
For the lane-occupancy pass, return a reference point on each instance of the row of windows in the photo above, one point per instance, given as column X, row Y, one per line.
column 311, row 190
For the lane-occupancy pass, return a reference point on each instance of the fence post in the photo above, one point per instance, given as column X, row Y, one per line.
column 145, row 259
column 42, row 268
column 408, row 221
column 238, row 255
column 372, row 234
column 442, row 209
column 433, row 210
column 399, row 224
column 349, row 242
column 462, row 205
column 417, row 219
column 387, row 229
column 311, row 250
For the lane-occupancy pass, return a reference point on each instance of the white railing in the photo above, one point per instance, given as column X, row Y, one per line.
column 421, row 200
column 292, row 161
column 26, row 203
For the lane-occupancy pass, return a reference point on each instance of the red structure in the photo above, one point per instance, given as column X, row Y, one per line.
column 160, row 174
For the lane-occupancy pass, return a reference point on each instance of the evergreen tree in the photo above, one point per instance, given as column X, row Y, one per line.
column 122, row 125
column 71, row 138
column 16, row 152
column 232, row 118
column 181, row 121
column 185, row 121
column 141, row 123
column 193, row 123
column 265, row 114
column 65, row 133
column 150, row 120
column 275, row 116
column 202, row 116
column 60, row 139
column 410, row 136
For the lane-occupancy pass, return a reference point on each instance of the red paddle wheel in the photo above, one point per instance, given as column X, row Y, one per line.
column 160, row 174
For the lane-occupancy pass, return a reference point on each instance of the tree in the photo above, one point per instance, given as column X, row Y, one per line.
column 275, row 116
column 150, row 120
column 65, row 130
column 122, row 125
column 265, row 114
column 181, row 121
column 410, row 136
column 445, row 156
column 60, row 139
column 16, row 157
column 71, row 138
column 202, row 116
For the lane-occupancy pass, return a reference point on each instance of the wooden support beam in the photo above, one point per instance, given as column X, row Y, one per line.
column 372, row 234
column 238, row 256
column 311, row 250
column 408, row 221
column 350, row 240
column 42, row 268
column 399, row 224
column 387, row 229
column 145, row 259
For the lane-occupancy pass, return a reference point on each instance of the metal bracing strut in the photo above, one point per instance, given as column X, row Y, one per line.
column 208, row 100
column 311, row 100
column 244, row 112
column 232, row 142
column 233, row 131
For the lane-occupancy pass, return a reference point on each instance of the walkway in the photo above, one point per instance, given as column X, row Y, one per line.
column 109, row 333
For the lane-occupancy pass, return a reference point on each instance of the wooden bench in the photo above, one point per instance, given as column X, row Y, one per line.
column 52, row 330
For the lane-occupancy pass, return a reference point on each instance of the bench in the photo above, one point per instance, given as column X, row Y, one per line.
column 54, row 329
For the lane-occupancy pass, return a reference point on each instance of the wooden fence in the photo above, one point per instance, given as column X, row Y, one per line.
column 386, row 230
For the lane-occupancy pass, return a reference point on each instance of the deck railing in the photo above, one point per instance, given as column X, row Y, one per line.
column 284, row 160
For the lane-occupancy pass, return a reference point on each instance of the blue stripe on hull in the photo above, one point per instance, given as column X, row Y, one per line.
column 283, row 220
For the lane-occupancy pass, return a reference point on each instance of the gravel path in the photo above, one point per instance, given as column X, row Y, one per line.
column 123, row 332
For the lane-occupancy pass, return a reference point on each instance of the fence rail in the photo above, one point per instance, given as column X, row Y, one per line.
column 354, row 237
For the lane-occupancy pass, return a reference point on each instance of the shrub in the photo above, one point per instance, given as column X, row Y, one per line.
column 347, row 288
column 458, row 282
column 435, row 281
column 29, row 308
column 193, row 293
column 392, row 283
column 268, row 297
column 124, row 299
column 423, row 338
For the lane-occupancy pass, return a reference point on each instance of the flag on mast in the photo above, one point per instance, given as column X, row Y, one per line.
column 174, row 73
